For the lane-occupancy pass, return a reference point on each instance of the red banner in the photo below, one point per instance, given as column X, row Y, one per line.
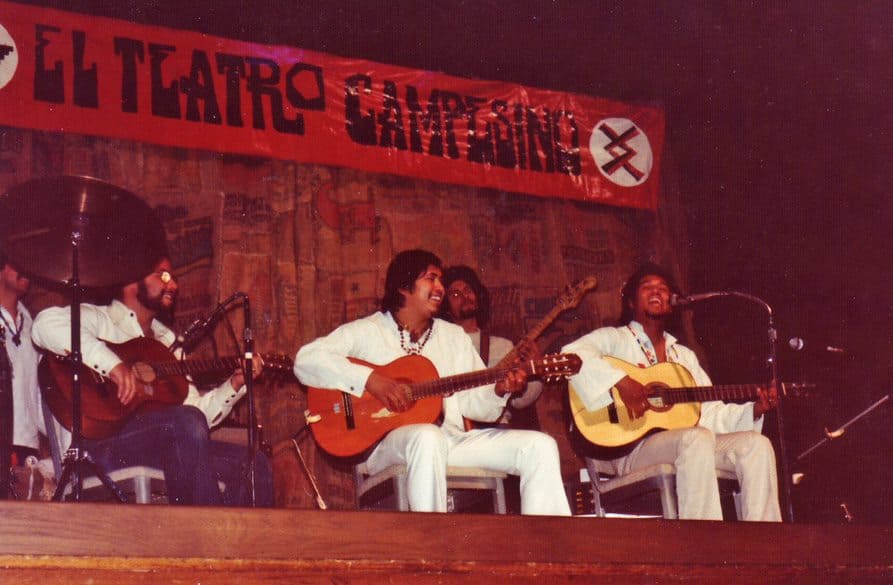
column 68, row 72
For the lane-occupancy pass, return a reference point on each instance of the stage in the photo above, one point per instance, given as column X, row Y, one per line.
column 112, row 543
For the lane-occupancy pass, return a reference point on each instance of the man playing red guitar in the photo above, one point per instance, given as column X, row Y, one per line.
column 173, row 438
column 406, row 326
column 727, row 436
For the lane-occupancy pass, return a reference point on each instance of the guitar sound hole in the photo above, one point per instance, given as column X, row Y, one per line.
column 656, row 399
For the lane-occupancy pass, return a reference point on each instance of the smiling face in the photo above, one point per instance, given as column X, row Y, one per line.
column 423, row 301
column 652, row 299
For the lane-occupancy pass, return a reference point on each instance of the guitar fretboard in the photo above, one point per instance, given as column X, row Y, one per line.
column 457, row 383
column 729, row 393
column 195, row 366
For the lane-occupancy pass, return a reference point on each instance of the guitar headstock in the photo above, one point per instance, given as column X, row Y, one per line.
column 796, row 389
column 573, row 295
column 556, row 366
column 278, row 364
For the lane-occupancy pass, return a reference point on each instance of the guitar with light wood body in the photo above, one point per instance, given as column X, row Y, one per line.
column 674, row 403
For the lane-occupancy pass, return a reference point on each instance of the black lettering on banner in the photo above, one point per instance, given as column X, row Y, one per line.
column 480, row 149
column 429, row 122
column 199, row 86
column 450, row 114
column 566, row 159
column 130, row 50
column 260, row 85
column 505, row 147
column 165, row 100
column 49, row 84
column 86, row 81
column 295, row 97
column 519, row 136
column 360, row 127
column 540, row 131
column 391, row 119
column 233, row 68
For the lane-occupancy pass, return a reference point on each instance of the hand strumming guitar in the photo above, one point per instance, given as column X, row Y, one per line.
column 125, row 381
column 634, row 396
column 393, row 394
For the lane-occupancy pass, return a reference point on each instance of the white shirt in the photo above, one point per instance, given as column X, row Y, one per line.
column 323, row 363
column 116, row 323
column 28, row 422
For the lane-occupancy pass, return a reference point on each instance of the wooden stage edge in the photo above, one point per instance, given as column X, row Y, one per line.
column 113, row 543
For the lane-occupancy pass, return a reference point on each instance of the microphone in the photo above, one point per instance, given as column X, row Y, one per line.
column 197, row 329
column 798, row 344
column 684, row 301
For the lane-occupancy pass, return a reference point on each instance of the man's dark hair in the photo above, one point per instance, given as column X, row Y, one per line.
column 628, row 292
column 467, row 275
column 403, row 271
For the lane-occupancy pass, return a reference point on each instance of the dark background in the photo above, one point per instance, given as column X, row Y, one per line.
column 778, row 135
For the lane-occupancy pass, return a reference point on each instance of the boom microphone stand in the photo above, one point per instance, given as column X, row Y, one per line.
column 771, row 362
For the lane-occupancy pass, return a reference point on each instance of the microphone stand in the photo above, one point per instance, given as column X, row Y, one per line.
column 75, row 457
column 772, row 363
column 248, row 370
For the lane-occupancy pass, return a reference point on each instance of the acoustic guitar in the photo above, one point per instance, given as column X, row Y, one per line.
column 674, row 403
column 346, row 425
column 161, row 377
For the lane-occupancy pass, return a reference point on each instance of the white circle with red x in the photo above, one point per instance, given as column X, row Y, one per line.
column 621, row 151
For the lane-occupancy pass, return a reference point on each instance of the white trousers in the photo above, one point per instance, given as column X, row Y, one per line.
column 427, row 450
column 697, row 453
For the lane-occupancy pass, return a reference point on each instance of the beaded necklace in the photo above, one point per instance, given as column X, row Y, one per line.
column 408, row 345
column 647, row 348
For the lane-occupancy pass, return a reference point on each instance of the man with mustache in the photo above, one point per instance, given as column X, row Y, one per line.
column 406, row 325
column 174, row 438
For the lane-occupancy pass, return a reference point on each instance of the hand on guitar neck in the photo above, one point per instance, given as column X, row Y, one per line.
column 767, row 399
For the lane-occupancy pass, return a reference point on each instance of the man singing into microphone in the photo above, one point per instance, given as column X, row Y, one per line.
column 173, row 438
column 726, row 437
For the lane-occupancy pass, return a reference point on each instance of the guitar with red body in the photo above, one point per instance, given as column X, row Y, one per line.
column 346, row 425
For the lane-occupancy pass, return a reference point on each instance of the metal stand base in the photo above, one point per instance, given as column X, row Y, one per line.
column 73, row 464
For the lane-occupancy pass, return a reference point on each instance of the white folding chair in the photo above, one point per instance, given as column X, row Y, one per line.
column 458, row 478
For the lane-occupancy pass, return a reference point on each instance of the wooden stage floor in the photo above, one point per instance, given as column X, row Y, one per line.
column 114, row 543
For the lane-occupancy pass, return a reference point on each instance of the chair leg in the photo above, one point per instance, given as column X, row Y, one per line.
column 668, row 497
column 401, row 491
column 142, row 489
column 499, row 497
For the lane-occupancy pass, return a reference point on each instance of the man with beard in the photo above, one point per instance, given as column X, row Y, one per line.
column 174, row 438
column 406, row 325
column 468, row 305
column 727, row 436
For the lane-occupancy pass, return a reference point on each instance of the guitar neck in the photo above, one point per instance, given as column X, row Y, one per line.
column 728, row 393
column 531, row 335
column 196, row 366
column 457, row 383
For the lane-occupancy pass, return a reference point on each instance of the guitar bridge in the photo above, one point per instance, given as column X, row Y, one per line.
column 612, row 414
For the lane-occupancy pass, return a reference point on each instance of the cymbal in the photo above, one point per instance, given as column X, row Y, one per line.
column 120, row 239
